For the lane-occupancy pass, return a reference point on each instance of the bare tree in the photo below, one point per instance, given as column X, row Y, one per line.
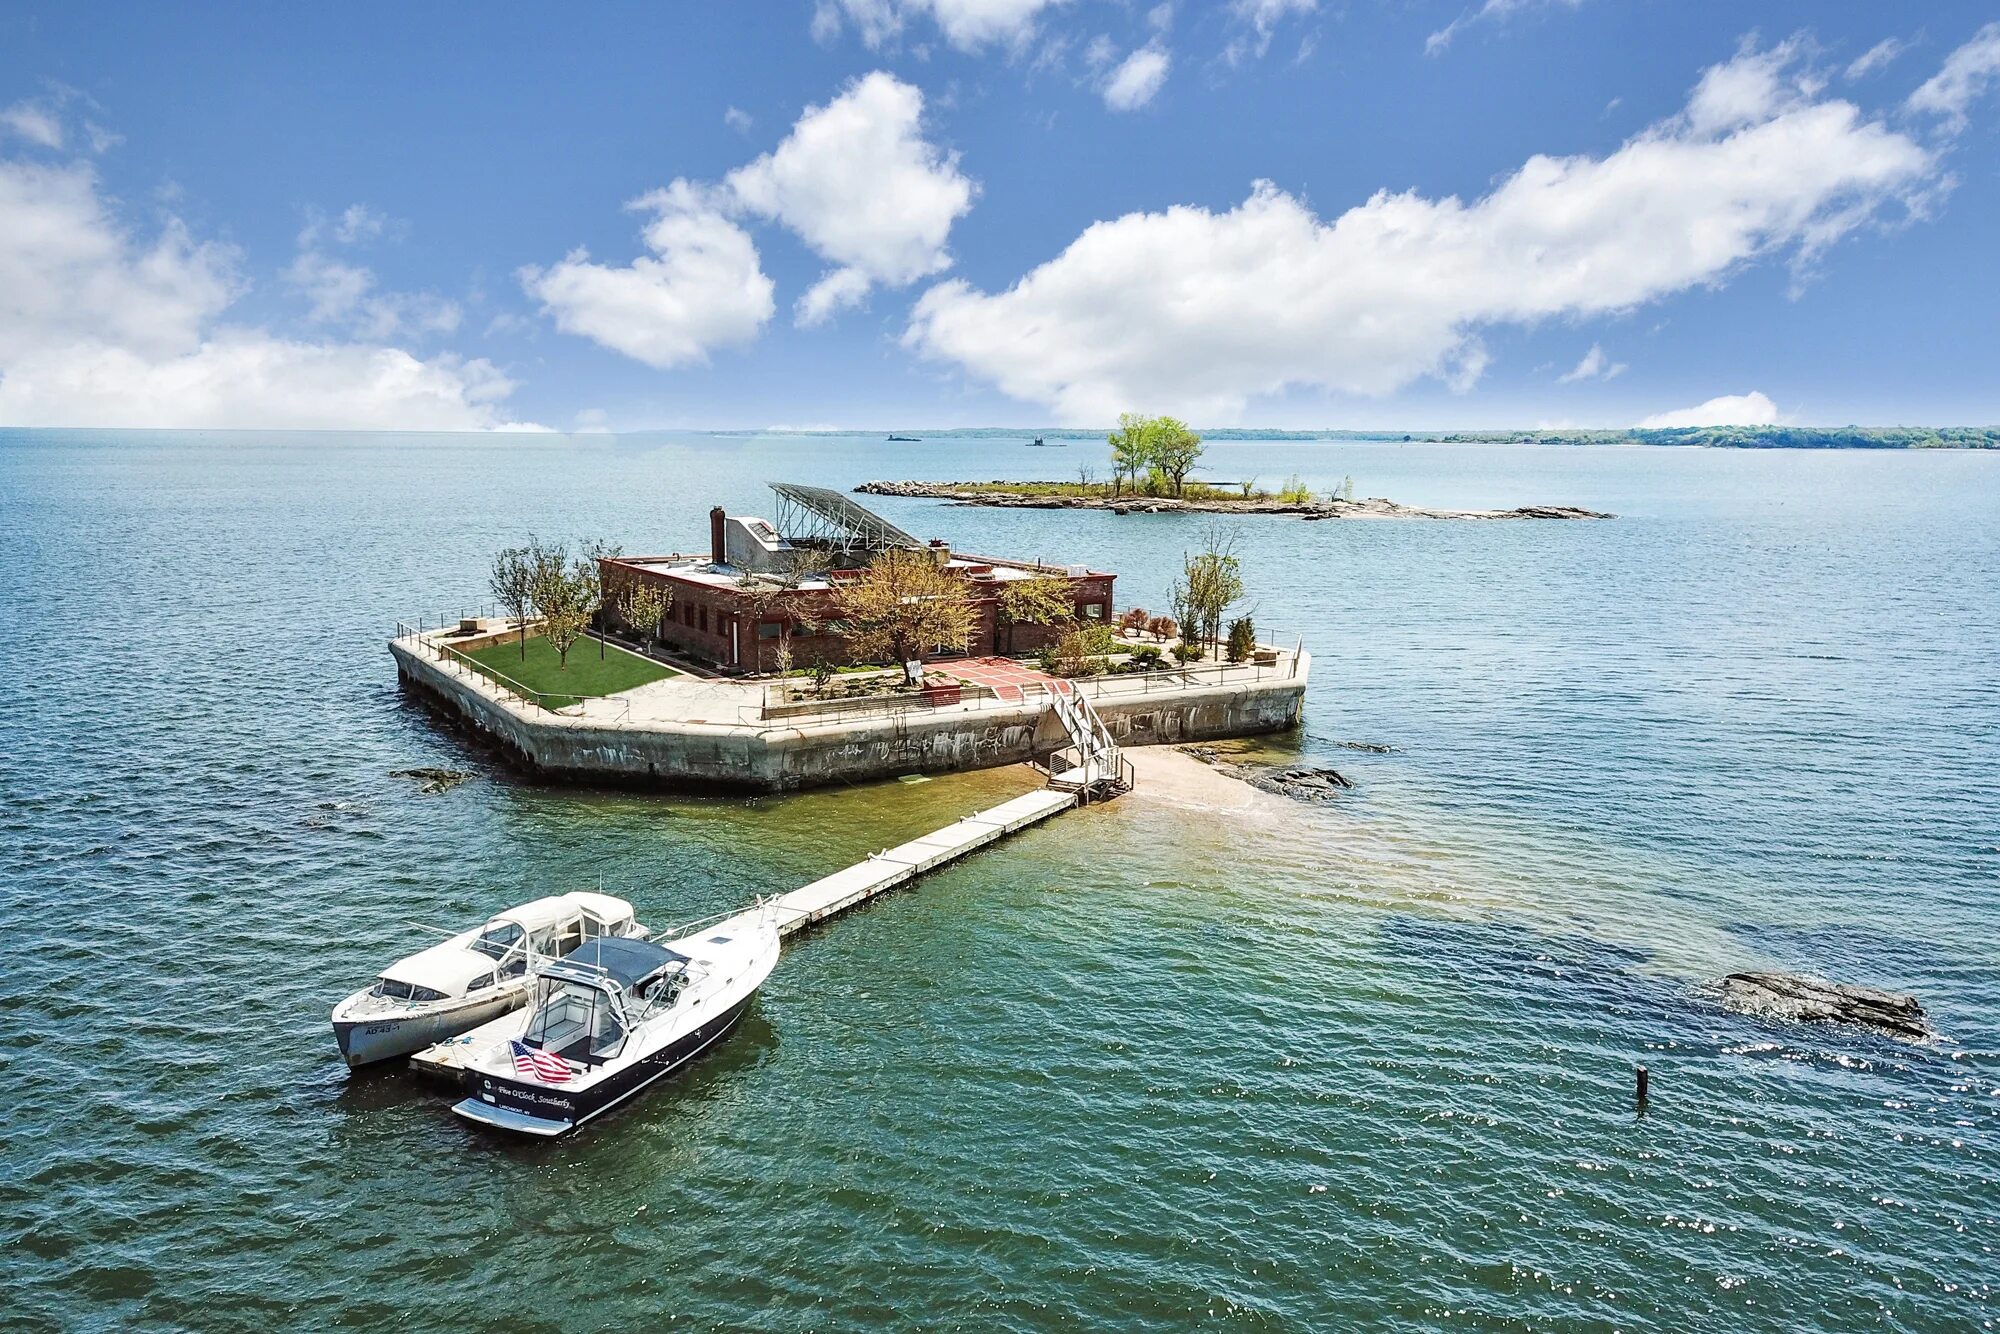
column 1211, row 582
column 512, row 585
column 774, row 593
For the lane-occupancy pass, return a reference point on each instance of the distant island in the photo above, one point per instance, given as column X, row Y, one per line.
column 1198, row 498
column 1704, row 437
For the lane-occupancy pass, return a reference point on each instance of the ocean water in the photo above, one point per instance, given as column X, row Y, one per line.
column 1361, row 1066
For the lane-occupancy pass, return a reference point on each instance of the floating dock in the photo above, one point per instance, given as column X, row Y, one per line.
column 823, row 898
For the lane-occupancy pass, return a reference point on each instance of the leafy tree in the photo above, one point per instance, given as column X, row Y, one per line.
column 642, row 605
column 1242, row 639
column 903, row 606
column 1211, row 582
column 566, row 592
column 1131, row 449
column 512, row 585
column 593, row 552
column 1043, row 600
column 1175, row 450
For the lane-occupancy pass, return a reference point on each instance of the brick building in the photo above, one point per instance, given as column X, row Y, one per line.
column 737, row 606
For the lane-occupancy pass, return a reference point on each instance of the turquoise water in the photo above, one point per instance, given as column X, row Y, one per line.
column 1362, row 1066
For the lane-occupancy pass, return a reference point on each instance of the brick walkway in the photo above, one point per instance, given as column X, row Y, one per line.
column 1003, row 676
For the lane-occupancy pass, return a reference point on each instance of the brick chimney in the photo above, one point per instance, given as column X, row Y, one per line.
column 715, row 551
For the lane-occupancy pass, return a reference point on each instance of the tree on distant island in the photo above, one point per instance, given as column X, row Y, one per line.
column 904, row 605
column 1163, row 449
column 513, row 589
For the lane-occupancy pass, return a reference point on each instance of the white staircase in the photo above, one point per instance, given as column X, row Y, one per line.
column 1092, row 764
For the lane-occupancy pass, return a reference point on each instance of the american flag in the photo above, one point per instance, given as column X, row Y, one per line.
column 538, row 1064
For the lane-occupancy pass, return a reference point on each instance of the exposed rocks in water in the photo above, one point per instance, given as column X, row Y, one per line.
column 1812, row 1000
column 433, row 780
column 1299, row 782
column 1371, row 747
column 1007, row 495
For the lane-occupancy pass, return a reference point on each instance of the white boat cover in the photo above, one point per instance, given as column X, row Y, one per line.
column 449, row 966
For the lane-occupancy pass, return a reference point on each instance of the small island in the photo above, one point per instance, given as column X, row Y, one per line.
column 1197, row 498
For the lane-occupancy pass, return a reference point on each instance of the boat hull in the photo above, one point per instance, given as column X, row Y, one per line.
column 530, row 1108
column 371, row 1039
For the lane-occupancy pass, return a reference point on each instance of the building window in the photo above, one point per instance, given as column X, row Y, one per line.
column 1093, row 611
column 769, row 629
column 704, row 619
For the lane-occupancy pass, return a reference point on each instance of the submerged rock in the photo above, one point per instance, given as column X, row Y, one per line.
column 433, row 780
column 1812, row 1000
column 1300, row 783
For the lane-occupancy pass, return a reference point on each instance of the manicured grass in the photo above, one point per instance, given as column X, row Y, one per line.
column 586, row 677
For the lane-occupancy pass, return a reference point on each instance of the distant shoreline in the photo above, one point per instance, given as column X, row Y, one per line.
column 1091, row 496
column 1701, row 437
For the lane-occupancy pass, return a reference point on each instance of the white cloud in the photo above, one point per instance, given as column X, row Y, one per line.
column 839, row 290
column 862, row 187
column 701, row 288
column 1197, row 312
column 99, row 328
column 33, row 123
column 738, row 120
column 1492, row 10
column 1751, row 409
column 1138, row 77
column 345, row 295
column 1964, row 76
column 1594, row 366
column 967, row 24
column 1876, row 57
column 1262, row 17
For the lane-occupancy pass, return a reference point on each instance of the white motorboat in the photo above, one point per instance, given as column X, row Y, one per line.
column 472, row 977
column 614, row 1017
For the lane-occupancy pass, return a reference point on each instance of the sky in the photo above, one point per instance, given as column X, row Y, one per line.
column 818, row 214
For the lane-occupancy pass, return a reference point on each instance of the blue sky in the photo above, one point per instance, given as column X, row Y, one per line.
column 878, row 213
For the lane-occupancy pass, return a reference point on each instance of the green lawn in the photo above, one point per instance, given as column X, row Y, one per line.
column 587, row 676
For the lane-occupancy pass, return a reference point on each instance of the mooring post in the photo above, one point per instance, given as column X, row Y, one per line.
column 1642, row 1080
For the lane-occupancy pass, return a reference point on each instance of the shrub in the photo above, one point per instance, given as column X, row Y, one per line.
column 1144, row 660
column 1163, row 627
column 1186, row 652
column 1133, row 621
column 1242, row 639
column 1077, row 653
column 1295, row 491
column 1097, row 639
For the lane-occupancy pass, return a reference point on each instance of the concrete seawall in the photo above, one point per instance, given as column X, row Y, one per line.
column 605, row 743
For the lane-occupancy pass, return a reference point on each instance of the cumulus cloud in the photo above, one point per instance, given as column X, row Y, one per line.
column 99, row 327
column 1967, row 72
column 33, row 123
column 1137, row 78
column 702, row 287
column 1594, row 366
column 1491, row 11
column 968, row 25
column 1197, row 312
column 1751, row 409
column 863, row 188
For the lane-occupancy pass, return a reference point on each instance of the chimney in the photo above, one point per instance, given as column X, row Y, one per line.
column 715, row 551
column 940, row 551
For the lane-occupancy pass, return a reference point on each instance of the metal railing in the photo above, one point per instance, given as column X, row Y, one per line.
column 464, row 664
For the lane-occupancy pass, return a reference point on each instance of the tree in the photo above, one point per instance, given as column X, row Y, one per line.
column 566, row 593
column 642, row 605
column 770, row 593
column 1044, row 599
column 1242, row 639
column 512, row 585
column 1175, row 450
column 903, row 606
column 1131, row 449
column 1211, row 582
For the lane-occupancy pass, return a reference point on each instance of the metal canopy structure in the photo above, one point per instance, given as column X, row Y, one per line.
column 817, row 517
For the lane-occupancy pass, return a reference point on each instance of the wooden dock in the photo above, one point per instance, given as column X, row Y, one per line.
column 823, row 898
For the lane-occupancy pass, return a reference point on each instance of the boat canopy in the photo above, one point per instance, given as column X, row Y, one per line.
column 558, row 909
column 619, row 959
column 448, row 969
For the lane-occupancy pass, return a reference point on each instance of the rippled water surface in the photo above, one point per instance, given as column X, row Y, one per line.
column 1367, row 1065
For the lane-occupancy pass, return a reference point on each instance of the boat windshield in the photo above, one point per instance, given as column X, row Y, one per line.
column 576, row 1021
column 390, row 989
column 499, row 938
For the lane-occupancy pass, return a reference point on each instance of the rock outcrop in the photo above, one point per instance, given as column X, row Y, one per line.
column 1812, row 1000
column 433, row 780
column 1300, row 783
